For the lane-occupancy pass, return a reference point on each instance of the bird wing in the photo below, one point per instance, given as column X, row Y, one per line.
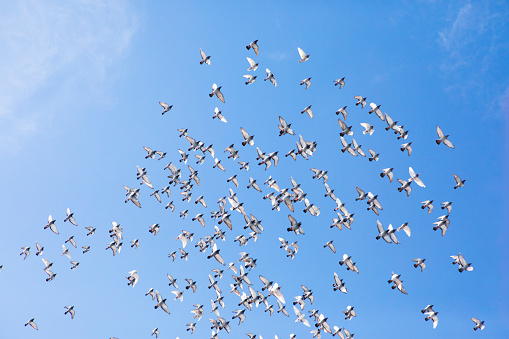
column 439, row 132
column 220, row 96
column 302, row 54
column 448, row 143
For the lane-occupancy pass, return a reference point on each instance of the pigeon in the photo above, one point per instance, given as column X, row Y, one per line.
column 433, row 316
column 91, row 231
column 165, row 106
column 330, row 245
column 340, row 82
column 172, row 281
column 459, row 182
column 387, row 172
column 479, row 325
column 250, row 78
column 253, row 66
column 191, row 285
column 302, row 54
column 397, row 282
column 349, row 313
column 308, row 111
column 74, row 264
column 443, row 138
column 135, row 243
column 460, row 260
column 26, row 252
column 40, row 249
column 360, row 101
column 270, row 76
column 133, row 278
column 248, row 139
column 376, row 110
column 66, row 252
column 284, row 128
column 85, row 249
column 406, row 147
column 156, row 195
column 70, row 309
column 427, row 204
column 343, row 111
column 415, row 177
column 338, row 284
column 419, row 262
column 307, row 82
column 161, row 302
column 32, row 323
column 51, row 225
column 368, row 128
column 447, row 205
column 374, row 155
column 349, row 264
column 347, row 130
column 155, row 332
column 70, row 217
column 217, row 114
column 390, row 123
column 204, row 58
column 300, row 317
column 254, row 46
column 217, row 91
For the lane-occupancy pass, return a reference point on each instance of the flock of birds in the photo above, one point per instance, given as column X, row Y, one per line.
column 269, row 293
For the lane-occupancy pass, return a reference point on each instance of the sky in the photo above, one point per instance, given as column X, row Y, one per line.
column 81, row 82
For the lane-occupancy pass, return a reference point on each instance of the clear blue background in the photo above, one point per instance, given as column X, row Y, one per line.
column 79, row 99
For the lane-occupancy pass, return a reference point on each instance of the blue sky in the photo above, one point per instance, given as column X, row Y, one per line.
column 79, row 99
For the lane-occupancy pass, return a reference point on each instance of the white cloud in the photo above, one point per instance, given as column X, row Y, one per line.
column 41, row 38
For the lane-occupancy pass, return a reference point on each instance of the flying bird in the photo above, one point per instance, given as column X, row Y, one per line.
column 219, row 115
column 254, row 46
column 204, row 58
column 307, row 82
column 165, row 106
column 270, row 76
column 217, row 92
column 443, row 138
column 340, row 82
column 253, row 66
column 302, row 54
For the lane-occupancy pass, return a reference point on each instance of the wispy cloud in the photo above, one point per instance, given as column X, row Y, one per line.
column 468, row 24
column 475, row 45
column 41, row 39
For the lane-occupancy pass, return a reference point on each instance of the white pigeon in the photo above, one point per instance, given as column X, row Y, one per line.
column 253, row 65
column 368, row 128
column 217, row 114
column 415, row 177
column 302, row 54
column 250, row 78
